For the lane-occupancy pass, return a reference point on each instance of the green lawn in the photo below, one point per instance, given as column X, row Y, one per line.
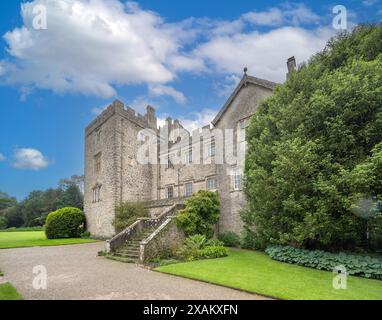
column 33, row 239
column 255, row 272
column 8, row 292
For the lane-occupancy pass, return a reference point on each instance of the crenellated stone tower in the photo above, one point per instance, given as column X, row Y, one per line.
column 113, row 173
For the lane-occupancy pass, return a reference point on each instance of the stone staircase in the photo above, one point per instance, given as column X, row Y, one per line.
column 130, row 244
column 130, row 251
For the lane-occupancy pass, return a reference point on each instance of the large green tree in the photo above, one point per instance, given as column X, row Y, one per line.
column 6, row 202
column 34, row 209
column 313, row 168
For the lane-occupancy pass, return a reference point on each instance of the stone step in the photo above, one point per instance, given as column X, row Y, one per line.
column 134, row 246
column 127, row 255
column 122, row 259
column 129, row 250
column 141, row 237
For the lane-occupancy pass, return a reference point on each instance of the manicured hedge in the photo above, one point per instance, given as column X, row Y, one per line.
column 65, row 223
column 363, row 266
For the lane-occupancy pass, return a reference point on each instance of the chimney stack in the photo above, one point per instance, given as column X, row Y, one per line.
column 292, row 65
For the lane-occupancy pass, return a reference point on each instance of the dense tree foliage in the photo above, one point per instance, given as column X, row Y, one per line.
column 33, row 210
column 127, row 213
column 201, row 214
column 314, row 162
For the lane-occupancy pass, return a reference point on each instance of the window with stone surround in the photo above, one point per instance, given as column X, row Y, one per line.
column 237, row 178
column 188, row 189
column 188, row 156
column 97, row 193
column 211, row 149
column 170, row 192
column 211, row 184
column 97, row 163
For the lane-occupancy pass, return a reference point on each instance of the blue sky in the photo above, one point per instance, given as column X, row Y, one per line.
column 183, row 57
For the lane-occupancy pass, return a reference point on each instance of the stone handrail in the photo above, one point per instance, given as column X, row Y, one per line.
column 151, row 238
column 144, row 223
column 118, row 240
column 156, row 222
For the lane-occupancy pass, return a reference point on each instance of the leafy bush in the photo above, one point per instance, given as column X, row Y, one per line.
column 201, row 214
column 65, row 223
column 196, row 241
column 199, row 247
column 230, row 239
column 214, row 243
column 358, row 265
column 127, row 213
column 85, row 235
column 213, row 252
column 250, row 240
column 314, row 148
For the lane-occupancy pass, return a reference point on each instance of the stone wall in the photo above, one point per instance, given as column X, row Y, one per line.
column 114, row 136
column 157, row 207
column 167, row 238
column 100, row 139
column 233, row 201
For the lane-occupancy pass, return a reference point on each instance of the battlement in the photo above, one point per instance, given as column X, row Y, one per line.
column 148, row 120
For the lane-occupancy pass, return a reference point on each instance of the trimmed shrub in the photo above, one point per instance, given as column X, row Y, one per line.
column 213, row 252
column 230, row 239
column 201, row 214
column 357, row 265
column 65, row 223
column 127, row 213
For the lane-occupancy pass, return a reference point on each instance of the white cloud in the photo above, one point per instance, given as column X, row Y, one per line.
column 194, row 121
column 273, row 16
column 2, row 68
column 162, row 90
column 25, row 92
column 226, row 87
column 91, row 45
column 28, row 158
column 140, row 104
column 2, row 157
column 198, row 120
column 98, row 110
column 265, row 54
column 369, row 3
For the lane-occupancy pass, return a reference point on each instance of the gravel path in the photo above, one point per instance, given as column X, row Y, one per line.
column 75, row 272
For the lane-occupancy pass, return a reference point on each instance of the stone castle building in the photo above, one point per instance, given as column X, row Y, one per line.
column 183, row 162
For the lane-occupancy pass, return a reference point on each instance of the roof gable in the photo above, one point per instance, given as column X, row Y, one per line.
column 244, row 81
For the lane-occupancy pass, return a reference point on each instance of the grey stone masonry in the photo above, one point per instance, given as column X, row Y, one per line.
column 114, row 174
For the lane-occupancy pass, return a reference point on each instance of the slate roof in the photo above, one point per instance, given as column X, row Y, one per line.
column 244, row 81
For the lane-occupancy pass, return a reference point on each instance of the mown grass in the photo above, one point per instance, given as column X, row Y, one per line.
column 8, row 292
column 20, row 239
column 23, row 229
column 255, row 272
